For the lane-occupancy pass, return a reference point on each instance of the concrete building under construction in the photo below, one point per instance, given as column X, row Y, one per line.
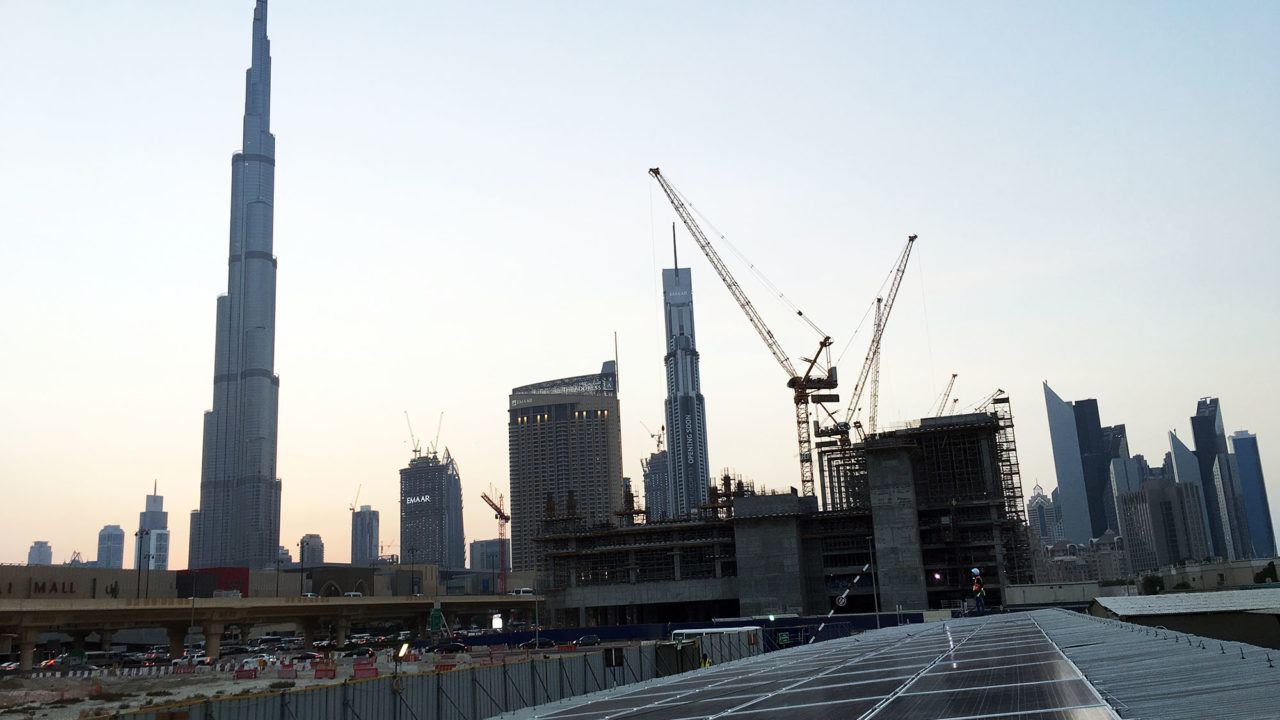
column 923, row 504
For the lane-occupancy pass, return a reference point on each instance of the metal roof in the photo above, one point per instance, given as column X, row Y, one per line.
column 1185, row 603
column 1043, row 665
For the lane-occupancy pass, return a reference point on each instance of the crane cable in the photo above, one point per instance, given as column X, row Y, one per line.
column 773, row 289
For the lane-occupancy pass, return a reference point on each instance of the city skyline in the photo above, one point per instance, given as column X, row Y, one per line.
column 1090, row 186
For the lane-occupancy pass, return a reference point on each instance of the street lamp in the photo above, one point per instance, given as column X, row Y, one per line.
column 139, row 538
column 302, row 565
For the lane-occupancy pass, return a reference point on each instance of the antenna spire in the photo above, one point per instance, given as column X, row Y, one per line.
column 674, row 253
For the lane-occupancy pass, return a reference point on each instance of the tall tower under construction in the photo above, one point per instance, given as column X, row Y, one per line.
column 431, row 511
column 238, row 523
column 687, row 471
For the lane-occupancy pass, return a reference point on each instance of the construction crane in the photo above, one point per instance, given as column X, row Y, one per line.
column 503, row 518
column 804, row 386
column 435, row 444
column 884, row 306
column 946, row 395
column 657, row 437
column 986, row 402
column 417, row 446
column 357, row 498
column 874, row 405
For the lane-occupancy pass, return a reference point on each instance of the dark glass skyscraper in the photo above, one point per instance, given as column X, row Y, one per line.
column 431, row 512
column 687, row 471
column 1228, row 523
column 238, row 523
column 1249, row 468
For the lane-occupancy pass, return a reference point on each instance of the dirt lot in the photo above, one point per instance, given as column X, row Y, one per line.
column 75, row 698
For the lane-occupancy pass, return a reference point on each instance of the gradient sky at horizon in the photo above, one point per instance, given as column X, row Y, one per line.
column 462, row 207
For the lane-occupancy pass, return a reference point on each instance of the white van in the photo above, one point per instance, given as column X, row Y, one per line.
column 353, row 594
column 521, row 591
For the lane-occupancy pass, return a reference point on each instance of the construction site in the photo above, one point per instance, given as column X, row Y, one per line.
column 880, row 520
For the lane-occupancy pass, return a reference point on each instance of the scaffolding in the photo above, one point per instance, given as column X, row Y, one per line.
column 1017, row 538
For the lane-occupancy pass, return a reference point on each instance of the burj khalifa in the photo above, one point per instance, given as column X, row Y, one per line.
column 238, row 523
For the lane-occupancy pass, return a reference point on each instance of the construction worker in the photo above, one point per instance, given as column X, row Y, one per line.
column 979, row 592
column 706, row 661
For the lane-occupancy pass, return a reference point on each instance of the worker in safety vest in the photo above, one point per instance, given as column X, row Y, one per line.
column 979, row 592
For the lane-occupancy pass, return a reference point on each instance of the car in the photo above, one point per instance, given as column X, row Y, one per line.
column 521, row 591
column 538, row 643
column 10, row 666
column 199, row 659
column 234, row 650
column 360, row 652
column 587, row 641
column 449, row 646
column 306, row 657
column 258, row 659
column 310, row 595
column 353, row 594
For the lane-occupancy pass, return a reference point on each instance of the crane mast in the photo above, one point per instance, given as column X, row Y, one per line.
column 874, row 403
column 802, row 386
column 883, row 308
column 503, row 518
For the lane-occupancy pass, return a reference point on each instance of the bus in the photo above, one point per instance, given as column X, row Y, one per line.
column 694, row 633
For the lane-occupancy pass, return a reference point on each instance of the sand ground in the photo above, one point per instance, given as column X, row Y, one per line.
column 75, row 698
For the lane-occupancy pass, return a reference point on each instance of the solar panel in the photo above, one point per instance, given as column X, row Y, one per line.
column 994, row 666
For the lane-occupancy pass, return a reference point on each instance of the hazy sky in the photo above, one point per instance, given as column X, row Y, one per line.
column 462, row 207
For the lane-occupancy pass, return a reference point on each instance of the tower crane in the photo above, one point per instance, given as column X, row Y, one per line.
column 503, row 518
column 352, row 506
column 417, row 446
column 804, row 386
column 946, row 395
column 657, row 437
column 884, row 306
column 874, row 405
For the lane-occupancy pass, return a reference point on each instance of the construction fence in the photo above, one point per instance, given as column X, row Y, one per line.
column 469, row 693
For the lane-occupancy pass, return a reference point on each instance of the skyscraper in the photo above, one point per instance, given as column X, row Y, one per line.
column 1042, row 516
column 1219, row 484
column 565, row 457
column 657, row 487
column 364, row 536
column 151, row 541
column 431, row 512
column 110, row 547
column 1073, row 500
column 1186, row 471
column 238, row 523
column 40, row 553
column 311, row 550
column 1082, row 453
column 1244, row 445
column 687, row 473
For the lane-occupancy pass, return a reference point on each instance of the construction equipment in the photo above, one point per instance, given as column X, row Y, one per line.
column 503, row 518
column 941, row 403
column 435, row 444
column 352, row 506
column 884, row 306
column 804, row 386
column 657, row 437
column 874, row 405
column 417, row 446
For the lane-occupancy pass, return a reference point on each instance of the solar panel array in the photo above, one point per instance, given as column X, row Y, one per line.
column 995, row 666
